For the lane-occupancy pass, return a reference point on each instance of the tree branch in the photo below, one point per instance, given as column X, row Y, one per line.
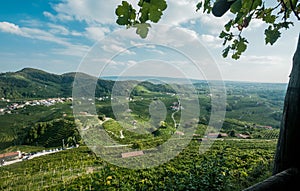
column 294, row 11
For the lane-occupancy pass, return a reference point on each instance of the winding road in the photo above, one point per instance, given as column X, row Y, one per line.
column 172, row 116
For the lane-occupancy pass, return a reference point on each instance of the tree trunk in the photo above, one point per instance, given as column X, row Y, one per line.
column 285, row 180
column 288, row 146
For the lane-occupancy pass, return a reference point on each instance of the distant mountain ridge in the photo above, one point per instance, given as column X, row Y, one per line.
column 153, row 79
column 35, row 83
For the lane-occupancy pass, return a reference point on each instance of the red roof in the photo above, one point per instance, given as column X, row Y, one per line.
column 132, row 154
column 11, row 154
column 243, row 136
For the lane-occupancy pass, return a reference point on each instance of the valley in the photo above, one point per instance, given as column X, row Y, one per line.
column 36, row 114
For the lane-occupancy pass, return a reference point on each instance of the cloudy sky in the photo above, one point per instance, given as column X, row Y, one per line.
column 56, row 36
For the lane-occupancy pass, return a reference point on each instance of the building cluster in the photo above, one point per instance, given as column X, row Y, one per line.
column 132, row 154
column 263, row 127
column 176, row 106
column 18, row 156
column 44, row 102
column 9, row 156
column 104, row 98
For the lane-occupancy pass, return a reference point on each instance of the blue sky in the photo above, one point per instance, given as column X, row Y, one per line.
column 56, row 35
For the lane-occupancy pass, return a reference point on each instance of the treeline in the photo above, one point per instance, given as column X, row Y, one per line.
column 52, row 134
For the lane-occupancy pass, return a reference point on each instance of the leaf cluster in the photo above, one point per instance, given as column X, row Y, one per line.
column 275, row 17
column 149, row 10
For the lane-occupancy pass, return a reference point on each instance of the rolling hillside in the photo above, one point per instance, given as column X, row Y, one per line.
column 34, row 83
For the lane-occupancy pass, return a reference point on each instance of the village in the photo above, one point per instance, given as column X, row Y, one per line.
column 43, row 102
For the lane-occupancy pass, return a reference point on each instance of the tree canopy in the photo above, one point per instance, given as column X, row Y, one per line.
column 277, row 14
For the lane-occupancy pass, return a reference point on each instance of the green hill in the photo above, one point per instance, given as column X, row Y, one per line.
column 30, row 83
column 34, row 83
column 250, row 107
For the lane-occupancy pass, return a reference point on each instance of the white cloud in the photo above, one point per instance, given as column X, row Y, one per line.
column 72, row 50
column 169, row 35
column 256, row 68
column 32, row 33
column 180, row 12
column 117, row 49
column 59, row 16
column 34, row 23
column 43, row 35
column 213, row 24
column 211, row 41
column 61, row 30
column 96, row 33
column 208, row 38
column 103, row 12
column 11, row 28
column 49, row 36
column 266, row 60
column 58, row 29
column 256, row 23
column 49, row 15
column 90, row 11
column 156, row 51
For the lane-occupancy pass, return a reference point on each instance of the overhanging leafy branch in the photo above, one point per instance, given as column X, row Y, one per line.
column 150, row 11
column 243, row 12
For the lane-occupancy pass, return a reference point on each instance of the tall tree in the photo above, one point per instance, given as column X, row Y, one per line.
column 277, row 16
column 288, row 150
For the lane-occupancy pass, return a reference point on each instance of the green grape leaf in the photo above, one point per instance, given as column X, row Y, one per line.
column 152, row 10
column 160, row 4
column 271, row 35
column 249, row 5
column 236, row 6
column 199, row 5
column 228, row 25
column 268, row 17
column 142, row 29
column 226, row 51
column 154, row 15
column 284, row 24
column 126, row 14
column 256, row 4
column 144, row 13
column 207, row 7
column 240, row 45
column 122, row 21
column 223, row 34
column 140, row 3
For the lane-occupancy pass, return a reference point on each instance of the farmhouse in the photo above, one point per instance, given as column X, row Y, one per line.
column 132, row 154
column 10, row 156
column 216, row 135
column 179, row 133
column 243, row 136
column 268, row 127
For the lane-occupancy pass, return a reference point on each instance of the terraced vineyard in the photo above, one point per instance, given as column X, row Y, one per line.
column 228, row 165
